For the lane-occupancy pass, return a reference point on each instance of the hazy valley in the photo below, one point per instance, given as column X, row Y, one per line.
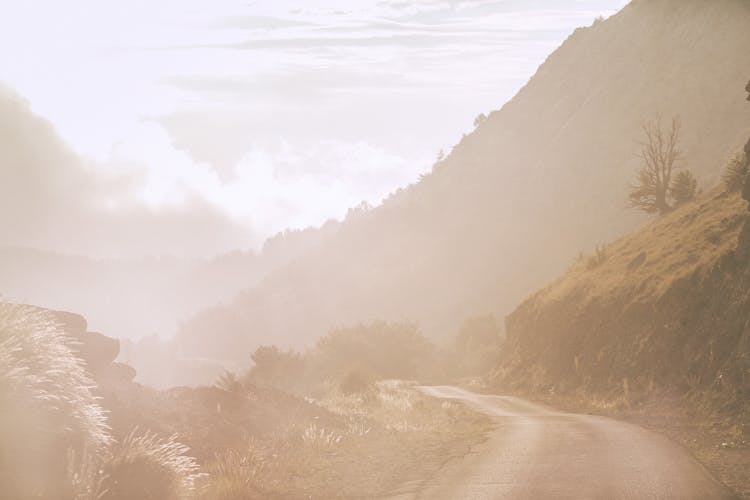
column 558, row 308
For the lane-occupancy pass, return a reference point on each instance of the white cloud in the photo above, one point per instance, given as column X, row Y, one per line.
column 329, row 103
column 275, row 185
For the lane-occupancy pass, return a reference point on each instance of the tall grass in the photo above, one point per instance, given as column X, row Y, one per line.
column 54, row 439
column 46, row 406
column 148, row 467
column 234, row 476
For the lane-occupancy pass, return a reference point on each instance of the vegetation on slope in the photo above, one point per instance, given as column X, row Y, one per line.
column 661, row 306
column 237, row 440
column 655, row 328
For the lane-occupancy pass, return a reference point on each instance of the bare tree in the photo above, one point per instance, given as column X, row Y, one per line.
column 659, row 154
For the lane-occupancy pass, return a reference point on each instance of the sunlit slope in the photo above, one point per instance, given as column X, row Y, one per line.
column 667, row 305
column 540, row 180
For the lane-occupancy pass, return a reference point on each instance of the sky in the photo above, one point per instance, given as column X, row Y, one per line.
column 276, row 114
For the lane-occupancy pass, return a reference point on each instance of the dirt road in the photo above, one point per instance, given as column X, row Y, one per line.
column 536, row 452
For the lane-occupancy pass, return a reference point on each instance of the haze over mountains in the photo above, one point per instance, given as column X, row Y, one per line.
column 539, row 181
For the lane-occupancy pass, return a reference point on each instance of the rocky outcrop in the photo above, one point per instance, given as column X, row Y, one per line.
column 97, row 350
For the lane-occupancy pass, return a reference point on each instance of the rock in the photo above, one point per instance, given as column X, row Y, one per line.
column 97, row 350
column 117, row 373
column 72, row 323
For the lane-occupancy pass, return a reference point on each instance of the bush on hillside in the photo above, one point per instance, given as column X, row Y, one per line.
column 357, row 381
column 735, row 172
column 285, row 370
column 476, row 348
column 684, row 188
column 387, row 350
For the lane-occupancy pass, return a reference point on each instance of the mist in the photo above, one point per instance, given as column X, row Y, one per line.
column 375, row 249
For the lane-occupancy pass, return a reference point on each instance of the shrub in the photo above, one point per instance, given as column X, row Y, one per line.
column 145, row 466
column 357, row 381
column 387, row 350
column 600, row 257
column 229, row 382
column 683, row 188
column 47, row 412
column 285, row 370
column 735, row 172
column 233, row 476
column 476, row 348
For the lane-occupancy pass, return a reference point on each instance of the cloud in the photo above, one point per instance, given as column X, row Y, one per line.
column 278, row 184
column 241, row 115
column 51, row 198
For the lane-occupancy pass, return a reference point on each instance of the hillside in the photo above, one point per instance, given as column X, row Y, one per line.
column 76, row 425
column 666, row 305
column 550, row 170
column 652, row 328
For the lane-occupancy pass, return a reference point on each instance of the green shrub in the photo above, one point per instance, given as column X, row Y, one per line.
column 272, row 367
column 684, row 187
column 735, row 172
column 387, row 350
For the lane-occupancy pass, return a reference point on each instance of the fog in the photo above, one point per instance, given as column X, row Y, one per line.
column 277, row 116
column 374, row 249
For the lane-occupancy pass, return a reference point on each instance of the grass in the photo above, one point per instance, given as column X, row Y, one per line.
column 146, row 466
column 647, row 262
column 46, row 407
column 373, row 443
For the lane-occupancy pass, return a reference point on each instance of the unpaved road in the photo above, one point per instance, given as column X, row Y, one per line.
column 536, row 452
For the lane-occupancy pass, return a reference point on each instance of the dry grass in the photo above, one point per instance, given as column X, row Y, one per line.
column 376, row 442
column 647, row 262
column 46, row 408
column 146, row 466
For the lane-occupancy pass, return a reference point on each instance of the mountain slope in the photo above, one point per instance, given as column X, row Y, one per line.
column 666, row 305
column 540, row 180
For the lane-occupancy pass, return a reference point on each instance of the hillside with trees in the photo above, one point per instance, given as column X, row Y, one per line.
column 536, row 183
column 657, row 322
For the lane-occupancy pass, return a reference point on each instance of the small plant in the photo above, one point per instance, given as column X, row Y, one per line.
column 146, row 466
column 234, row 476
column 358, row 427
column 229, row 382
column 319, row 437
column 735, row 172
column 600, row 256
